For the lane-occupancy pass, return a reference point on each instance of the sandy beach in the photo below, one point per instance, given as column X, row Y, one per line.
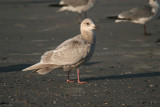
column 124, row 71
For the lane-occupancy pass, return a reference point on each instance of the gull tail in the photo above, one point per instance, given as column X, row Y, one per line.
column 33, row 67
column 113, row 17
column 117, row 19
column 42, row 68
column 56, row 5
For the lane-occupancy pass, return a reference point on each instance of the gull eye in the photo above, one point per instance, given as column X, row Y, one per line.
column 87, row 23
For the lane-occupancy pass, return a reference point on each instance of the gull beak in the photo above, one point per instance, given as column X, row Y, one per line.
column 96, row 27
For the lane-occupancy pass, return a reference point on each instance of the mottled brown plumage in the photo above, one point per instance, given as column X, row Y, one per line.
column 71, row 53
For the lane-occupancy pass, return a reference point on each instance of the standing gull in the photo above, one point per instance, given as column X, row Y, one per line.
column 71, row 53
column 79, row 6
column 139, row 15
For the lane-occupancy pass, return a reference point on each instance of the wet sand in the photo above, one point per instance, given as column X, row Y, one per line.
column 124, row 71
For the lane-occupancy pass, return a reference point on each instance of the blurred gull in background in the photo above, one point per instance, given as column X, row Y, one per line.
column 79, row 6
column 139, row 15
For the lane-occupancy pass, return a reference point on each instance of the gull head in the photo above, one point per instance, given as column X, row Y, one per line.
column 88, row 25
column 153, row 3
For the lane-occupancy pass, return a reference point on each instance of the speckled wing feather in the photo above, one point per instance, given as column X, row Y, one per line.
column 69, row 52
column 138, row 12
column 75, row 2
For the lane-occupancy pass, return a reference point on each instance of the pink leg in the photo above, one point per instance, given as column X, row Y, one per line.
column 78, row 77
column 80, row 18
column 85, row 14
column 68, row 78
column 145, row 31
